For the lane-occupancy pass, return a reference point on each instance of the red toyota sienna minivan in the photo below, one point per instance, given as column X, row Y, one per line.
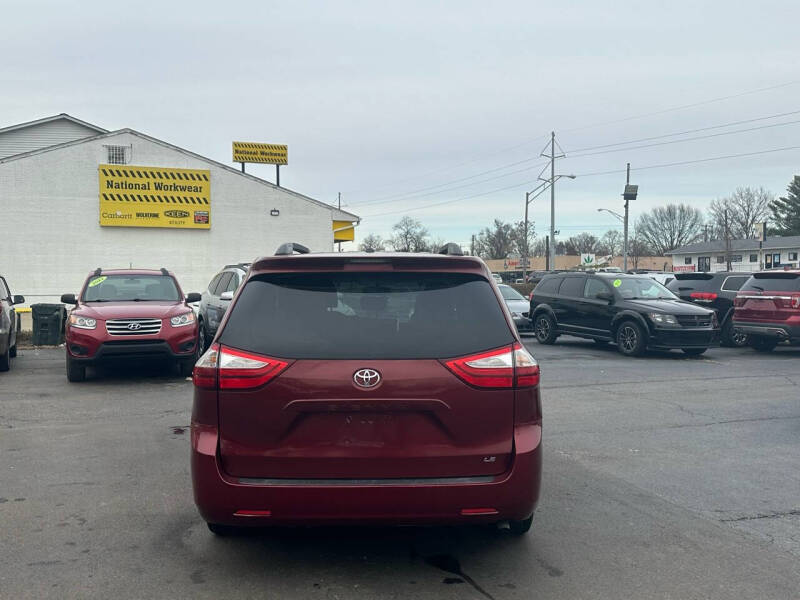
column 366, row 388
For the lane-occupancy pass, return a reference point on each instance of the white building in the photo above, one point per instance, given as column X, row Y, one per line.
column 775, row 252
column 52, row 205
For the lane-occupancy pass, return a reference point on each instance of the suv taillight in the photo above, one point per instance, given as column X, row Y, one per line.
column 703, row 296
column 226, row 368
column 507, row 367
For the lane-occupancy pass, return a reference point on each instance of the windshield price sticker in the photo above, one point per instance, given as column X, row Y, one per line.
column 97, row 281
column 617, row 282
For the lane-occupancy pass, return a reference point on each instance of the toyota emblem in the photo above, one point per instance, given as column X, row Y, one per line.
column 134, row 326
column 367, row 378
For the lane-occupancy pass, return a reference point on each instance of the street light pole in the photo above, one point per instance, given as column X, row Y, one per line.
column 552, row 200
column 625, row 233
column 527, row 250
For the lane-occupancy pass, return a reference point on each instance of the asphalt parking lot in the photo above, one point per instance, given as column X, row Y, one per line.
column 664, row 477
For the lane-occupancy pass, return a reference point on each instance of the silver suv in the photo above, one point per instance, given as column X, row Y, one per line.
column 216, row 299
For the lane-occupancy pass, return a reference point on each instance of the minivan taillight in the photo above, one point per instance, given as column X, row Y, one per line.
column 227, row 368
column 507, row 367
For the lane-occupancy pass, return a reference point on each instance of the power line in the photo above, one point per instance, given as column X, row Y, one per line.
column 691, row 162
column 415, row 192
column 667, row 135
column 692, row 139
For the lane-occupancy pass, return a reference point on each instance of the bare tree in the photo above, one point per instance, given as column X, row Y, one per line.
column 746, row 207
column 372, row 243
column 581, row 243
column 523, row 247
column 497, row 242
column 409, row 236
column 539, row 248
column 637, row 248
column 668, row 227
column 610, row 243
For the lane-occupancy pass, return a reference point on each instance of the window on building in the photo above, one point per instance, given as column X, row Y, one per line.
column 754, row 258
column 792, row 255
column 736, row 258
column 687, row 260
column 720, row 260
column 116, row 155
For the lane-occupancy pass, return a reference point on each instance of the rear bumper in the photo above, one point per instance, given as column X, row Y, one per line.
column 683, row 338
column 772, row 330
column 510, row 496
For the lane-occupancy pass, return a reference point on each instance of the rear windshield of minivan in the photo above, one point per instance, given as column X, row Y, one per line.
column 773, row 282
column 366, row 316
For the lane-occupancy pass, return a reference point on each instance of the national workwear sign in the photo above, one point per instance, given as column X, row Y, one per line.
column 134, row 196
column 252, row 152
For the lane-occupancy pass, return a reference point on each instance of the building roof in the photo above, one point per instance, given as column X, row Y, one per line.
column 338, row 214
column 772, row 243
column 62, row 116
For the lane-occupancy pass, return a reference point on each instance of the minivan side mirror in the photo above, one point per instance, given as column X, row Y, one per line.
column 68, row 299
column 226, row 296
column 193, row 297
column 608, row 296
column 18, row 300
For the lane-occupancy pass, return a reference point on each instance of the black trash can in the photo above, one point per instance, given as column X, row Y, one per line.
column 48, row 324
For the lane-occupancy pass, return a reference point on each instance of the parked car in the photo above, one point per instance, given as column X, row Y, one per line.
column 497, row 278
column 216, row 298
column 355, row 387
column 123, row 314
column 519, row 306
column 767, row 309
column 633, row 311
column 8, row 325
column 716, row 291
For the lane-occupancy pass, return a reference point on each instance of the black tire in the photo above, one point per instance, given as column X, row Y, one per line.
column 631, row 339
column 12, row 352
column 5, row 358
column 693, row 351
column 762, row 344
column 730, row 338
column 223, row 530
column 75, row 372
column 186, row 366
column 203, row 336
column 544, row 327
column 520, row 527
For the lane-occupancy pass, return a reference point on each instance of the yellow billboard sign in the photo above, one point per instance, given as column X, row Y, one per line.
column 343, row 231
column 269, row 154
column 133, row 196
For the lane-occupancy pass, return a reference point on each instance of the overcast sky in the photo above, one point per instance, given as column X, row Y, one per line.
column 403, row 105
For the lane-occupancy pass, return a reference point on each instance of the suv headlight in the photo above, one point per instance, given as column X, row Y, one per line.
column 663, row 320
column 82, row 322
column 181, row 320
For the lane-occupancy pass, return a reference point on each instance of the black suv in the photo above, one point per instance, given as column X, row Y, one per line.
column 217, row 298
column 634, row 311
column 8, row 325
column 717, row 292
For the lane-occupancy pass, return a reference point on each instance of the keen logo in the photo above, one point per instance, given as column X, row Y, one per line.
column 176, row 214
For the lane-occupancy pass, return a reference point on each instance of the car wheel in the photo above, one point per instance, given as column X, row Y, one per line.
column 186, row 366
column 520, row 527
column 75, row 372
column 223, row 530
column 203, row 340
column 12, row 352
column 762, row 344
column 545, row 329
column 732, row 338
column 630, row 339
column 693, row 351
column 5, row 358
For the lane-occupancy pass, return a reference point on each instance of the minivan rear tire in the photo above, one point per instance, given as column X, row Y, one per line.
column 520, row 527
column 544, row 327
column 224, row 530
column 762, row 344
column 5, row 358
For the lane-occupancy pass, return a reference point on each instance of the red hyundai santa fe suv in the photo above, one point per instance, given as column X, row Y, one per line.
column 125, row 314
column 369, row 388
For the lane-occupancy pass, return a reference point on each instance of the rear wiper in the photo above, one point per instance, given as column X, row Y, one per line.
column 755, row 287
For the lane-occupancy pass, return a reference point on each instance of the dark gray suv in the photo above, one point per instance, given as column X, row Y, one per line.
column 217, row 298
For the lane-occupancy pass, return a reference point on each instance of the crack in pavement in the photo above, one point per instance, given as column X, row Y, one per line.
column 790, row 513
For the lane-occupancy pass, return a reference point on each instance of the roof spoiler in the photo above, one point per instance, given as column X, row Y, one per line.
column 451, row 249
column 290, row 248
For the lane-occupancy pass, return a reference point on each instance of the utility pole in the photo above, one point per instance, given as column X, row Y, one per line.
column 527, row 252
column 472, row 246
column 727, row 242
column 547, row 253
column 630, row 194
column 553, row 156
